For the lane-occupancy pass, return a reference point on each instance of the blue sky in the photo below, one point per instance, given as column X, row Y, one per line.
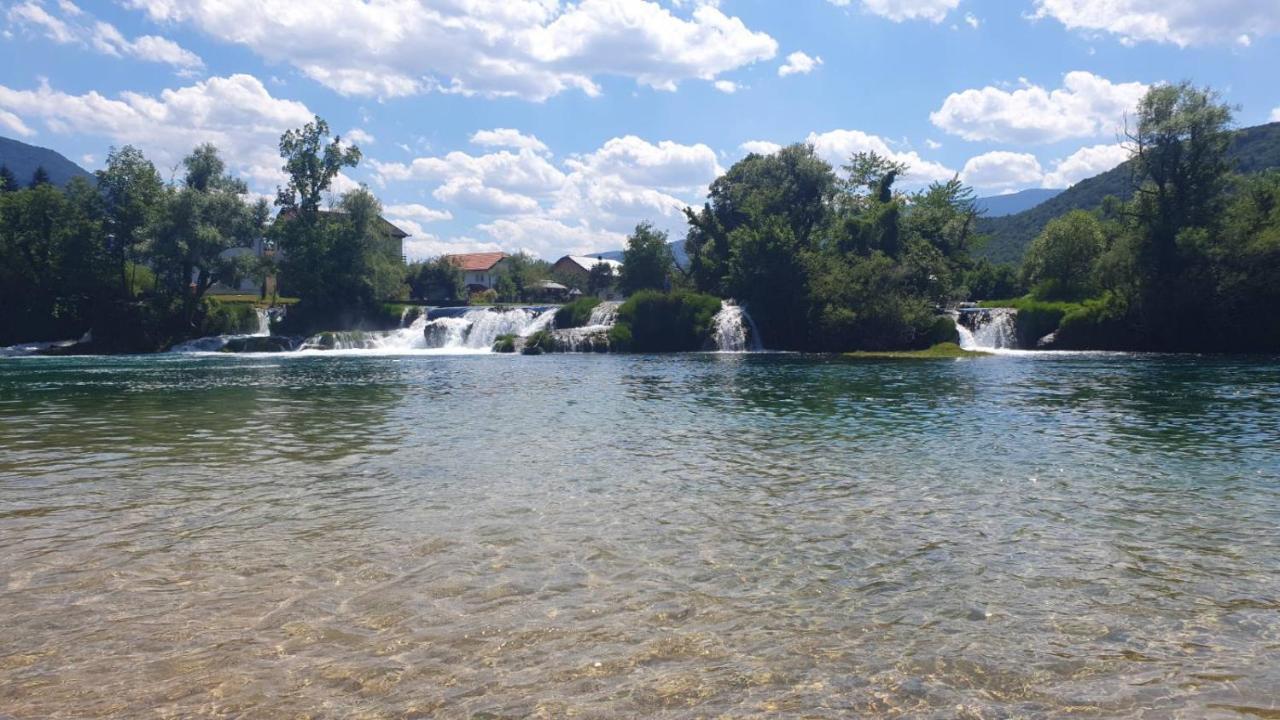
column 555, row 127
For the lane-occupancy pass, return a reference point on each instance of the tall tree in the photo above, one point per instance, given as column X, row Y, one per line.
column 646, row 263
column 8, row 183
column 131, row 192
column 39, row 177
column 311, row 164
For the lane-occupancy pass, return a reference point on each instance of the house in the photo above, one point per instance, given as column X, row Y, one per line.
column 479, row 270
column 578, row 267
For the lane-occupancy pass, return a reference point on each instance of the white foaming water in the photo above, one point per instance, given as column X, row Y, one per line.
column 604, row 315
column 478, row 329
column 214, row 343
column 988, row 329
column 734, row 330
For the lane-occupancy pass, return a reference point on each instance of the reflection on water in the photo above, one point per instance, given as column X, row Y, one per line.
column 606, row 536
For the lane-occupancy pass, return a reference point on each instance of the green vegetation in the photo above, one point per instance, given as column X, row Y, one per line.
column 436, row 281
column 577, row 313
column 1251, row 150
column 941, row 351
column 646, row 263
column 539, row 343
column 505, row 344
column 652, row 321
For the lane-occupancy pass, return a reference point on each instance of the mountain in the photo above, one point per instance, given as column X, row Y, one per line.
column 1252, row 150
column 677, row 252
column 23, row 159
column 1002, row 205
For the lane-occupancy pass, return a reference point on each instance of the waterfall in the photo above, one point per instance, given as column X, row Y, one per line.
column 476, row 329
column 734, row 331
column 988, row 328
column 214, row 343
column 604, row 315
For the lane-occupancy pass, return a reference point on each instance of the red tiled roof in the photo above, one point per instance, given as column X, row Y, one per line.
column 477, row 262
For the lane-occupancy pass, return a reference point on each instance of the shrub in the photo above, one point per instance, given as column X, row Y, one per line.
column 540, row 342
column 620, row 338
column 667, row 322
column 1036, row 318
column 942, row 331
column 1098, row 324
column 577, row 313
column 221, row 318
column 505, row 344
column 484, row 297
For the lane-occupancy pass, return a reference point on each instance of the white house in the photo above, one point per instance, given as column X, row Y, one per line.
column 480, row 270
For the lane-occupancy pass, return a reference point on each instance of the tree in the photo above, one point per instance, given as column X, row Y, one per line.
column 600, row 278
column 8, row 183
column 437, row 280
column 1061, row 263
column 200, row 220
column 39, row 177
column 311, row 164
column 646, row 262
column 131, row 192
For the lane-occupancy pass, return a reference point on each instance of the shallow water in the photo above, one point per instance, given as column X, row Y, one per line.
column 607, row 536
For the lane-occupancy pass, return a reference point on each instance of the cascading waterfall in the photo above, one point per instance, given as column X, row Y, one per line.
column 988, row 328
column 734, row 331
column 214, row 343
column 594, row 336
column 476, row 329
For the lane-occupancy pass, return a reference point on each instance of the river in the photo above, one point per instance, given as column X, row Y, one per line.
column 707, row 535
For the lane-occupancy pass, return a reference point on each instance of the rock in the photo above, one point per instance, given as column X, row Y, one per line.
column 259, row 344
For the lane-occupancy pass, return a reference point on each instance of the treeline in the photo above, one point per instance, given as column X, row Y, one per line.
column 1190, row 263
column 131, row 258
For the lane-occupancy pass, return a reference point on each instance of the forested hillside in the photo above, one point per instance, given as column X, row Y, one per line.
column 22, row 160
column 1252, row 150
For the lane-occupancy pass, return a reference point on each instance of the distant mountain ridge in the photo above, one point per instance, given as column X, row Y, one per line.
column 23, row 159
column 1252, row 150
column 1013, row 203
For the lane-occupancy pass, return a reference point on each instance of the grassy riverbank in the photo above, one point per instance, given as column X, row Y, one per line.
column 941, row 351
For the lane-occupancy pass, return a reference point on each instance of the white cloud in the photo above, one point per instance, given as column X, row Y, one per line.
column 358, row 136
column 531, row 49
column 972, row 21
column 799, row 63
column 423, row 245
column 1086, row 106
column 508, row 138
column 417, row 212
column 1002, row 171
column 837, row 146
column 1179, row 22
column 1275, row 115
column 14, row 124
column 78, row 27
column 932, row 144
column 900, row 10
column 585, row 202
column 760, row 147
column 727, row 87
column 1085, row 163
column 235, row 113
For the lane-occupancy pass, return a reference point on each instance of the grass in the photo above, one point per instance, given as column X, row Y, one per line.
column 941, row 351
column 254, row 299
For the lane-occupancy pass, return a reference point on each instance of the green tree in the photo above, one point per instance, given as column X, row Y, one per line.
column 132, row 192
column 1061, row 263
column 437, row 280
column 39, row 177
column 600, row 278
column 8, row 183
column 646, row 263
column 311, row 164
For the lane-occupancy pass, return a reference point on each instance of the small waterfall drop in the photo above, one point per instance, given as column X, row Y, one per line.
column 214, row 343
column 988, row 328
column 476, row 329
column 733, row 330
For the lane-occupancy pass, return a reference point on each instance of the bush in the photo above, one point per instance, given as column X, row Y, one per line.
column 577, row 313
column 942, row 331
column 505, row 344
column 540, row 342
column 666, row 322
column 484, row 297
column 1098, row 324
column 620, row 338
column 221, row 318
column 1036, row 318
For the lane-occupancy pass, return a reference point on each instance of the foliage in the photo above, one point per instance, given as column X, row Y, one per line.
column 311, row 164
column 665, row 322
column 224, row 318
column 484, row 297
column 940, row 351
column 577, row 313
column 505, row 344
column 8, row 181
column 436, row 280
column 600, row 278
column 647, row 262
column 1060, row 264
column 539, row 343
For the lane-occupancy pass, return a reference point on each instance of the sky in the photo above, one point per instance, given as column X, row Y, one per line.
column 555, row 127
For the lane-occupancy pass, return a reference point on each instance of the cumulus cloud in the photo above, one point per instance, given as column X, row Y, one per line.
column 531, row 49
column 585, row 202
column 799, row 63
column 728, row 87
column 760, row 147
column 508, row 138
column 1085, row 106
column 1275, row 115
column 837, row 146
column 417, row 212
column 359, row 137
column 75, row 26
column 1179, row 22
column 12, row 123
column 900, row 10
column 1002, row 171
column 235, row 113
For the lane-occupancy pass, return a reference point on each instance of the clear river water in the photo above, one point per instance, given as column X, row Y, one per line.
column 595, row 536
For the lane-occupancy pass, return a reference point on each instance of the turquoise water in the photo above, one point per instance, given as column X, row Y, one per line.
column 609, row 536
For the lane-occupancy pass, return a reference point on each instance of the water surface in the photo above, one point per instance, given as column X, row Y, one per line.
column 608, row 536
